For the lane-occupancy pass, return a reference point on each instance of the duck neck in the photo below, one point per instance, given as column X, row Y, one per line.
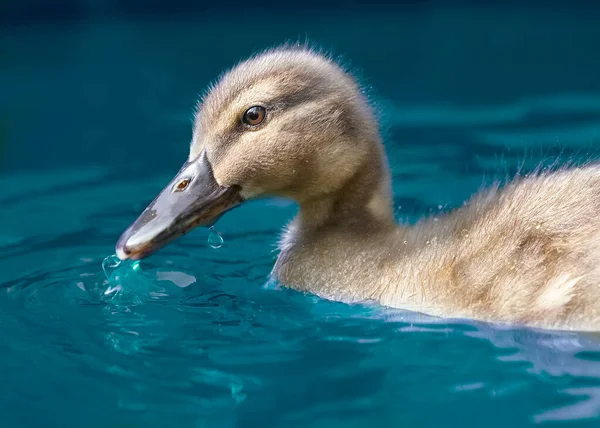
column 364, row 202
column 325, row 248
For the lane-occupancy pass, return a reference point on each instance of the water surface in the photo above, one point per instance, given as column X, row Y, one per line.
column 95, row 118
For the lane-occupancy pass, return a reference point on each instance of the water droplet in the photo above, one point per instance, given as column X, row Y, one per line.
column 110, row 264
column 464, row 233
column 537, row 226
column 427, row 243
column 405, row 242
column 215, row 239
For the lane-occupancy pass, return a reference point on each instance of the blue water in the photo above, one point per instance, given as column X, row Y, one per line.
column 95, row 118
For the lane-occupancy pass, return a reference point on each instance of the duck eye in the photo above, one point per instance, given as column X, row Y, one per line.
column 254, row 115
column 182, row 185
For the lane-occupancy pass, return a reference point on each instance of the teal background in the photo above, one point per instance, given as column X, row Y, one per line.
column 96, row 102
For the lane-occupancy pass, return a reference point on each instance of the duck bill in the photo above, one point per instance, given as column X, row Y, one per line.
column 193, row 198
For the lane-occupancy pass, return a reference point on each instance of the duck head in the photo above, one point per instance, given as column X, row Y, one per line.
column 287, row 123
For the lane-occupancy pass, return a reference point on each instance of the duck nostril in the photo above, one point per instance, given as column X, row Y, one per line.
column 182, row 185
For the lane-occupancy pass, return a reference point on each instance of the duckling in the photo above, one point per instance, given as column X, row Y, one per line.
column 291, row 122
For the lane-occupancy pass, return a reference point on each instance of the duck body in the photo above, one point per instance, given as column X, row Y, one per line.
column 292, row 123
column 528, row 254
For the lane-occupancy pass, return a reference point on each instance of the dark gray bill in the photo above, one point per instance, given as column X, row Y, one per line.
column 193, row 198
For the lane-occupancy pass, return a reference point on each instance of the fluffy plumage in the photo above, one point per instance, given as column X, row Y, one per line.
column 527, row 253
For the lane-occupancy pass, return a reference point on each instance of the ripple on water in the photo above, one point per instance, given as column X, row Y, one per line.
column 145, row 339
